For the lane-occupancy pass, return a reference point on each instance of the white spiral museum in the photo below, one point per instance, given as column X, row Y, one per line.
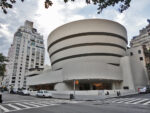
column 87, row 40
column 91, row 51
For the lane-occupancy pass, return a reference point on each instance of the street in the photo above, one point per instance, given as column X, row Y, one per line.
column 14, row 103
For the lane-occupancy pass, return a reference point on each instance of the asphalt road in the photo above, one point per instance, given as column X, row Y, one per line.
column 29, row 104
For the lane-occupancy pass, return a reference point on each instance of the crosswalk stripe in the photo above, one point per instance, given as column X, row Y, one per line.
column 13, row 106
column 132, row 101
column 37, row 103
column 25, row 106
column 4, row 109
column 122, row 99
column 125, row 100
column 146, row 103
column 140, row 101
column 31, row 104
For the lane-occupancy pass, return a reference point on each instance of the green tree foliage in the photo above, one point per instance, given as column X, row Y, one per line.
column 2, row 64
column 102, row 4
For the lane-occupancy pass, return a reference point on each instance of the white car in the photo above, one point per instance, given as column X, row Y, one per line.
column 25, row 92
column 145, row 89
column 44, row 93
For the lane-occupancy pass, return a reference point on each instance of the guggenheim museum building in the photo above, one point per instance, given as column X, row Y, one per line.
column 93, row 53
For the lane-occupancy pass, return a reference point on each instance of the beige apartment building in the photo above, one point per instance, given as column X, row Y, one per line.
column 26, row 52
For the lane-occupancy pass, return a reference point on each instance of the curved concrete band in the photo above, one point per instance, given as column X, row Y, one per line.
column 87, row 40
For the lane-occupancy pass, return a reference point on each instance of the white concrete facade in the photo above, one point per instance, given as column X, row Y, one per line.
column 138, row 58
column 83, row 37
column 92, row 51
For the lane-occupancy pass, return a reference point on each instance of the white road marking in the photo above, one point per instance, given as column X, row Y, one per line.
column 140, row 101
column 25, row 101
column 120, row 99
column 4, row 109
column 13, row 106
column 125, row 100
column 31, row 104
column 38, row 103
column 147, row 103
column 128, row 102
column 25, row 106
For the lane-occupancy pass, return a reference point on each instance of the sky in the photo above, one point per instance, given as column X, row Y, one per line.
column 46, row 20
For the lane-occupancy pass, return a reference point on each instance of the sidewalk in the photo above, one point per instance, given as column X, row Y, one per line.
column 94, row 98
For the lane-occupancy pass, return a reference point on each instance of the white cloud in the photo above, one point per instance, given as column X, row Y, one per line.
column 4, row 32
column 59, row 14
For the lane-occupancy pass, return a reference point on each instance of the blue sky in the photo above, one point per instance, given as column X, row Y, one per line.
column 46, row 20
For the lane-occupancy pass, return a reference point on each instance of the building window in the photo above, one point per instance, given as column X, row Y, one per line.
column 13, row 77
column 32, row 43
column 12, row 81
column 141, row 58
column 139, row 51
column 126, row 87
column 131, row 54
column 41, row 42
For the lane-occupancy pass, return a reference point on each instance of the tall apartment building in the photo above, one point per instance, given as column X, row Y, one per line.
column 143, row 38
column 26, row 52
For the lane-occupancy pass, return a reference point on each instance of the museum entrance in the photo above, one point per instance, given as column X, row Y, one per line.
column 95, row 86
column 102, row 86
column 43, row 87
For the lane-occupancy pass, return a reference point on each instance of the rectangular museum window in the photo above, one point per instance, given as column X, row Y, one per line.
column 126, row 87
column 131, row 54
column 139, row 51
column 141, row 58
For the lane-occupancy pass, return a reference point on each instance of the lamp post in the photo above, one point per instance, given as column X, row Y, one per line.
column 75, row 82
column 74, row 87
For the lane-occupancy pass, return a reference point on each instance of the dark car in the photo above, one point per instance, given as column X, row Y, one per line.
column 19, row 92
column 148, row 88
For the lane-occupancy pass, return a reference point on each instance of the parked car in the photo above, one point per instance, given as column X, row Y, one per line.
column 25, row 92
column 19, row 92
column 13, row 91
column 145, row 89
column 44, row 93
column 33, row 92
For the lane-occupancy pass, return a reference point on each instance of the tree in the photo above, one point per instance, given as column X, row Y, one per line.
column 2, row 64
column 102, row 4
